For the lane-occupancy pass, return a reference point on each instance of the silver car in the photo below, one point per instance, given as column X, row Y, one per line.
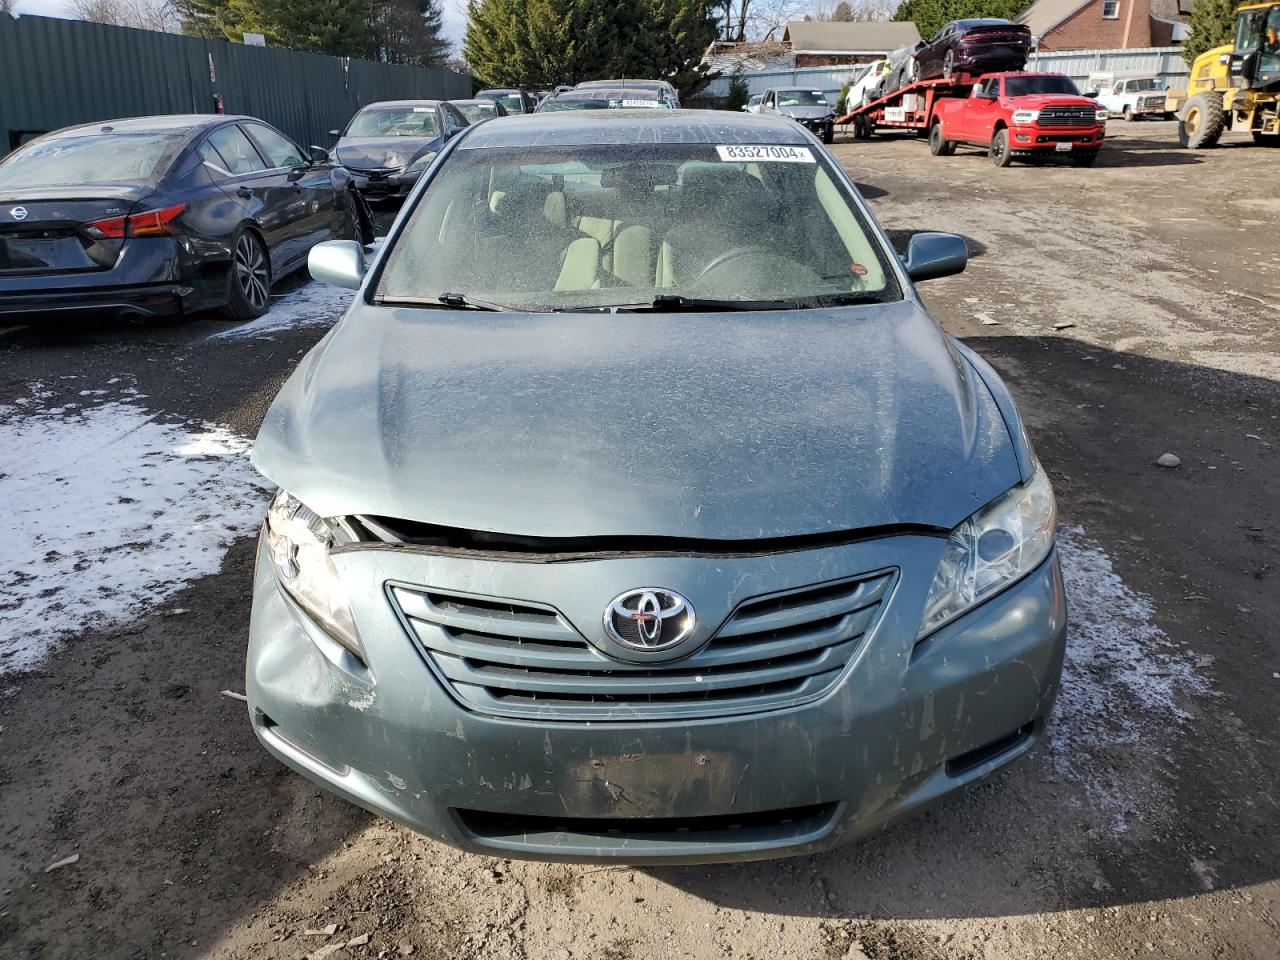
column 637, row 511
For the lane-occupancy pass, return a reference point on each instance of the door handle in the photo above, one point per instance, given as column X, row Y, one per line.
column 244, row 192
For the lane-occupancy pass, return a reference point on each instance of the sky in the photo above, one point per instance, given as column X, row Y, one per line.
column 455, row 14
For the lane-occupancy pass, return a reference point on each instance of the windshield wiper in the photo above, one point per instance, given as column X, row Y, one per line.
column 675, row 303
column 446, row 301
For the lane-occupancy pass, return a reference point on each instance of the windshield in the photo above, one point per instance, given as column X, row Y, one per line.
column 1148, row 84
column 99, row 158
column 1029, row 86
column 605, row 100
column 801, row 98
column 395, row 122
column 556, row 228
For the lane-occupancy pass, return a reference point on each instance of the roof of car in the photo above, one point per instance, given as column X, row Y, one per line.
column 608, row 127
column 499, row 90
column 400, row 103
column 162, row 124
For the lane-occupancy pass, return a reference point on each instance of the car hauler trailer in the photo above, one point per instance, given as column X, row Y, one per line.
column 909, row 108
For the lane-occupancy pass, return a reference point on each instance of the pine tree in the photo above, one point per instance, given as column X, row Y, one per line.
column 1212, row 24
column 540, row 43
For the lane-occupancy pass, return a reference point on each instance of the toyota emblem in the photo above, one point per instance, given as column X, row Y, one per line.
column 18, row 213
column 649, row 619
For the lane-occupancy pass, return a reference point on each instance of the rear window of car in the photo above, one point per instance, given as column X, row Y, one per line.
column 94, row 158
column 559, row 228
column 407, row 121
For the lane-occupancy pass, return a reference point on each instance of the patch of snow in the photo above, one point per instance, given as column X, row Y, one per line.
column 108, row 510
column 1124, row 684
column 316, row 304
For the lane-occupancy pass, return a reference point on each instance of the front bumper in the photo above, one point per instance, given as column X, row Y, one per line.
column 1031, row 139
column 376, row 187
column 905, row 725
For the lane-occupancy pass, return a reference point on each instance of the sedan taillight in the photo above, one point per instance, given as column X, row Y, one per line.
column 150, row 223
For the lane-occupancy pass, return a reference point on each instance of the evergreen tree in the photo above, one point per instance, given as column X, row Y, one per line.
column 843, row 13
column 930, row 16
column 393, row 31
column 540, row 43
column 1213, row 23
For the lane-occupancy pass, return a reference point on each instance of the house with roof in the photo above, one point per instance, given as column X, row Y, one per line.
column 1106, row 24
column 826, row 43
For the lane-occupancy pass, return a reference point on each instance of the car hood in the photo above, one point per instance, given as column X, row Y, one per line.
column 806, row 113
column 380, row 153
column 729, row 426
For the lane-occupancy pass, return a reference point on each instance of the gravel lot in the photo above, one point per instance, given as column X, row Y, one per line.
column 1134, row 310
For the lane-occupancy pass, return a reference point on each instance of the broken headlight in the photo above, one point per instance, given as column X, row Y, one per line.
column 1001, row 543
column 298, row 540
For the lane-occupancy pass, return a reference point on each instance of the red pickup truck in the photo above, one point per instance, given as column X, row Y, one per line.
column 1020, row 115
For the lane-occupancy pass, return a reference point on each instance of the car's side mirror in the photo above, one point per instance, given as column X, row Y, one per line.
column 929, row 255
column 318, row 154
column 336, row 134
column 339, row 262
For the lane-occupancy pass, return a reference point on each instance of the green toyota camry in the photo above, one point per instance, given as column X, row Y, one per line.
column 637, row 510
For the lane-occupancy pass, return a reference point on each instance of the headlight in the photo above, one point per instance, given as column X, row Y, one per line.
column 1025, row 116
column 1101, row 116
column 1001, row 543
column 298, row 540
column 421, row 163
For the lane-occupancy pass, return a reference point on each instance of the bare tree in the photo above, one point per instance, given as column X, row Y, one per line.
column 7, row 6
column 857, row 11
column 159, row 15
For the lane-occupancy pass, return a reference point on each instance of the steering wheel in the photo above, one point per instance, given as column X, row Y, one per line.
column 733, row 253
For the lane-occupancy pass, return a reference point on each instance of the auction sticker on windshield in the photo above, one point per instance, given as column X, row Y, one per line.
column 775, row 154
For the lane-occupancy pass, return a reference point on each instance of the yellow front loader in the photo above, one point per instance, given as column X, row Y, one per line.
column 1237, row 86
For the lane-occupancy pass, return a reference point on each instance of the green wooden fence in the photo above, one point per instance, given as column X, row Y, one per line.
column 58, row 72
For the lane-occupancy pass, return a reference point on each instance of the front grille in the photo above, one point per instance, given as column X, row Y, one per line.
column 1068, row 117
column 523, row 659
column 1152, row 103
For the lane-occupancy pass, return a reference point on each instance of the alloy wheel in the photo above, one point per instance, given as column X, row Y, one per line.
column 948, row 64
column 251, row 271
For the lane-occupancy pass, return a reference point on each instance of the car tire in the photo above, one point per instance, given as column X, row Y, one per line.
column 913, row 70
column 829, row 134
column 1084, row 159
column 1203, row 121
column 1001, row 156
column 248, row 278
column 948, row 64
column 862, row 127
column 939, row 146
column 1128, row 115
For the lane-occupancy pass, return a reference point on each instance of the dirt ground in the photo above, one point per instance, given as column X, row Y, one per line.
column 1133, row 308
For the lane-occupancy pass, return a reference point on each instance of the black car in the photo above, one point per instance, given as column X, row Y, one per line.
column 477, row 110
column 514, row 99
column 162, row 216
column 971, row 46
column 388, row 145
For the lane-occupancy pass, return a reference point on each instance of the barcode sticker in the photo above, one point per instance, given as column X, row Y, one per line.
column 768, row 153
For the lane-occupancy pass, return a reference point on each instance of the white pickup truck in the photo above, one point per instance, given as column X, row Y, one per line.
column 1131, row 97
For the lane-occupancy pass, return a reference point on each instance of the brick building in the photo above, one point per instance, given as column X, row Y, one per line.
column 1106, row 24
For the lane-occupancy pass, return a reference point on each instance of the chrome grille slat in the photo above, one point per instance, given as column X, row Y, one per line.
column 634, row 683
column 747, row 621
column 517, row 658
